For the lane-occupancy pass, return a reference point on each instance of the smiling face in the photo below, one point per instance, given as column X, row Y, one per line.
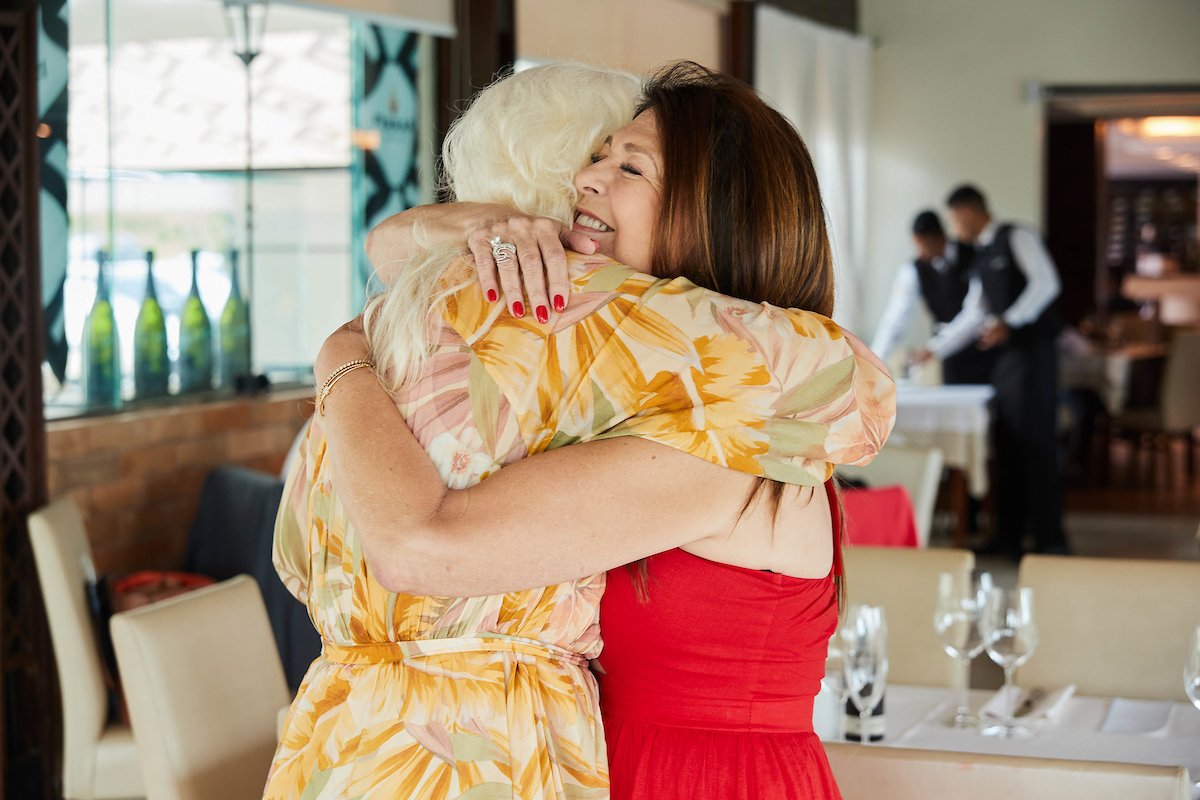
column 620, row 193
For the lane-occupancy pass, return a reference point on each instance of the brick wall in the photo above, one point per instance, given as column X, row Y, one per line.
column 137, row 476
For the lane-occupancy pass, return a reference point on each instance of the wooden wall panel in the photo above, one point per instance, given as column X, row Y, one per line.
column 28, row 752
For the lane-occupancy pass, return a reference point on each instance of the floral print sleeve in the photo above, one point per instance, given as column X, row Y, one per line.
column 290, row 553
column 780, row 393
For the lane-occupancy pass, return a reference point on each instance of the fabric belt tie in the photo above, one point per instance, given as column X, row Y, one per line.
column 730, row 715
column 391, row 652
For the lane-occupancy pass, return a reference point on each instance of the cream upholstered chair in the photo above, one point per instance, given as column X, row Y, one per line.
column 904, row 582
column 894, row 773
column 1111, row 626
column 204, row 686
column 100, row 760
column 917, row 469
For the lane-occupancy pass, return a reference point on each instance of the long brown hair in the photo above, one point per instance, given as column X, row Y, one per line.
column 741, row 209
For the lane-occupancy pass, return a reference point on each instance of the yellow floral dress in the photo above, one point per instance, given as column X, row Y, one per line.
column 490, row 697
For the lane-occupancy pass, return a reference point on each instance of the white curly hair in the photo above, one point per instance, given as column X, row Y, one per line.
column 519, row 143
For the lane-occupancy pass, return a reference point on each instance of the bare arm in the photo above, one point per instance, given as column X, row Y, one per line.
column 539, row 269
column 549, row 518
column 392, row 242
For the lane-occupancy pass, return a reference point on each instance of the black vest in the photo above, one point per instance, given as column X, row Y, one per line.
column 943, row 291
column 1003, row 281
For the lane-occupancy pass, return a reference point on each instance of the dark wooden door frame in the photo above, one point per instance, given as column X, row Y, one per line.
column 483, row 50
column 737, row 28
column 29, row 741
column 737, row 41
column 1073, row 202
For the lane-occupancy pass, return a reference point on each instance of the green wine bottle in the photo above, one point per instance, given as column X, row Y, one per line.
column 151, row 367
column 101, row 366
column 234, row 330
column 195, row 339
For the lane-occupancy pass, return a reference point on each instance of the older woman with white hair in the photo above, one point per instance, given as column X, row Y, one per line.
column 439, row 682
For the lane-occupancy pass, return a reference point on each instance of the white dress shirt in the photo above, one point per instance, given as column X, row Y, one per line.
column 906, row 288
column 1041, row 287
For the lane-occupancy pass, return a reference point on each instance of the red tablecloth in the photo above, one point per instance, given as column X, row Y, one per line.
column 879, row 517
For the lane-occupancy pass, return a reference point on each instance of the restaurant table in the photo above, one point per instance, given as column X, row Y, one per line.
column 917, row 718
column 879, row 516
column 954, row 419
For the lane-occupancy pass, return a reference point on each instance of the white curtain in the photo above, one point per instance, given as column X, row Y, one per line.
column 820, row 79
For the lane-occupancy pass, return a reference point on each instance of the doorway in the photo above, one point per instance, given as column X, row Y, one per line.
column 1121, row 178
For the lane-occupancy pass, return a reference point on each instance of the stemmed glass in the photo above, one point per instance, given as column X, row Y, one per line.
column 835, row 682
column 1011, row 634
column 864, row 660
column 1191, row 670
column 1191, row 677
column 958, row 622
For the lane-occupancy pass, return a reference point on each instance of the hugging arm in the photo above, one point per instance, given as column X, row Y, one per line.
column 539, row 269
column 548, row 518
column 392, row 242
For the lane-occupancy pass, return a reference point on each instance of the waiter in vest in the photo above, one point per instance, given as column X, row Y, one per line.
column 940, row 276
column 1010, row 308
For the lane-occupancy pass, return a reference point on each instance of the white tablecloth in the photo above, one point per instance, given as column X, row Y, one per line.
column 954, row 419
column 917, row 718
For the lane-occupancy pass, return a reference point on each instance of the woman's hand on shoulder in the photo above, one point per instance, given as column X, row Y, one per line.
column 523, row 258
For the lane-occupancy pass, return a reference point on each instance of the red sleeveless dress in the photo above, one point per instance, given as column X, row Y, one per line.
column 707, row 690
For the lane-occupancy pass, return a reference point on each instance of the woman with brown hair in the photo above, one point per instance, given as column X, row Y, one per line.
column 754, row 403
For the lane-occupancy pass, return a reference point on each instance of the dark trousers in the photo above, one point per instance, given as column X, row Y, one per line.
column 969, row 365
column 1028, row 490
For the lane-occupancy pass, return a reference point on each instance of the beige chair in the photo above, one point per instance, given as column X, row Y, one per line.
column 904, row 582
column 204, row 686
column 893, row 773
column 1111, row 626
column 100, row 760
column 917, row 469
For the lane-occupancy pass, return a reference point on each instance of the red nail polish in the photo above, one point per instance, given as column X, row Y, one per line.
column 491, row 295
column 559, row 303
column 518, row 309
column 543, row 314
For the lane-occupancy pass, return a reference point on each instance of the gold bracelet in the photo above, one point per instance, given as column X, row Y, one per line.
column 335, row 376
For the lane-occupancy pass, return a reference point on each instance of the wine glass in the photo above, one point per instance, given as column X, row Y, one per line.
column 1011, row 634
column 1191, row 670
column 957, row 620
column 835, row 681
column 864, row 660
column 1191, row 677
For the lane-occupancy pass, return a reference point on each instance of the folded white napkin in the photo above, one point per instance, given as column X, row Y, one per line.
column 1136, row 716
column 1043, row 710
